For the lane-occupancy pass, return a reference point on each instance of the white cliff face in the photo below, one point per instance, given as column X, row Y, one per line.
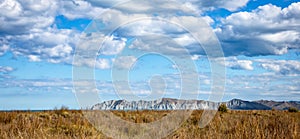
column 246, row 105
column 178, row 104
column 161, row 104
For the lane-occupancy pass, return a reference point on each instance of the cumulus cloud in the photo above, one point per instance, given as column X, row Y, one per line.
column 124, row 62
column 52, row 45
column 234, row 63
column 34, row 58
column 96, row 46
column 23, row 17
column 263, row 31
column 145, row 7
column 113, row 45
column 149, row 33
column 231, row 5
column 155, row 35
column 284, row 67
column 19, row 17
column 174, row 6
column 148, row 26
column 158, row 44
column 27, row 28
column 74, row 9
column 145, row 31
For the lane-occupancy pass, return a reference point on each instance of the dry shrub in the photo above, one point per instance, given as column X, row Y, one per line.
column 222, row 108
column 293, row 109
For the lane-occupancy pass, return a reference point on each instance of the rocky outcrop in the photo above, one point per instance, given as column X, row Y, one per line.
column 161, row 104
column 237, row 104
column 179, row 104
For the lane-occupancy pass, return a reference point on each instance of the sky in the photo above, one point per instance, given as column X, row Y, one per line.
column 147, row 50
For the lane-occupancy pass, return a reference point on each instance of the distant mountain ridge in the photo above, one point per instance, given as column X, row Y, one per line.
column 180, row 104
column 280, row 105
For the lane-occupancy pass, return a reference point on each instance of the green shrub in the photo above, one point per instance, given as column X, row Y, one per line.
column 292, row 109
column 223, row 108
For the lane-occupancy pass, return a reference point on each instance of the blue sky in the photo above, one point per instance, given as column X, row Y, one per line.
column 260, row 40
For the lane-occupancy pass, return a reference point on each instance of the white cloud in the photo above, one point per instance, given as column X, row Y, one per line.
column 234, row 63
column 185, row 40
column 48, row 83
column 281, row 37
column 6, row 69
column 195, row 57
column 103, row 64
column 74, row 9
column 3, row 49
column 87, row 50
column 44, row 85
column 166, row 37
column 124, row 62
column 265, row 86
column 292, row 11
column 52, row 45
column 208, row 19
column 93, row 63
column 231, row 5
column 243, row 86
column 146, row 29
column 19, row 17
column 206, row 82
column 150, row 26
column 167, row 7
column 12, row 7
column 158, row 44
column 59, row 50
column 34, row 58
column 284, row 67
column 266, row 30
column 113, row 45
column 164, row 7
column 26, row 30
column 27, row 26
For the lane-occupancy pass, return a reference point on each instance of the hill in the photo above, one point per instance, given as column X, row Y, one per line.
column 179, row 104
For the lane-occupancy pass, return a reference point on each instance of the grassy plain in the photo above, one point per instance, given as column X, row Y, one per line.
column 72, row 124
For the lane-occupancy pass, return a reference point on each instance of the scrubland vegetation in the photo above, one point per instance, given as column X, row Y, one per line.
column 231, row 124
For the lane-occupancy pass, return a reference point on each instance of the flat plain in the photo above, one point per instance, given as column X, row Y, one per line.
column 66, row 123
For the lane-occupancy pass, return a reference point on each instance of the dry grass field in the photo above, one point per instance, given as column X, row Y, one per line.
column 232, row 124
